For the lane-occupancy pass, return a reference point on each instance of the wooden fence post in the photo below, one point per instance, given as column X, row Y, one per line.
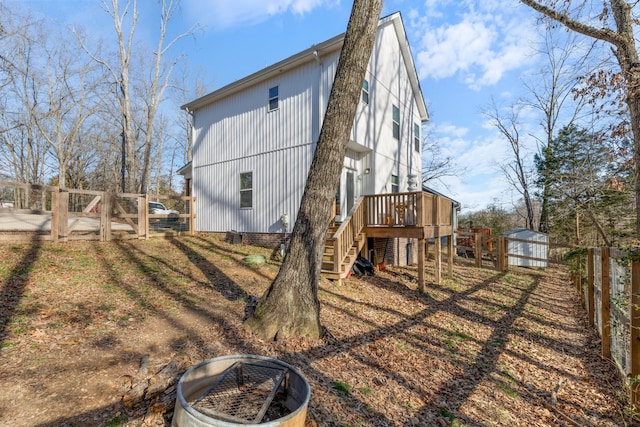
column 589, row 303
column 143, row 216
column 577, row 277
column 605, row 309
column 478, row 249
column 63, row 219
column 192, row 216
column 105, row 217
column 503, row 255
column 634, row 315
column 55, row 214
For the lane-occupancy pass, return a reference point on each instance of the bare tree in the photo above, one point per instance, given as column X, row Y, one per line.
column 551, row 93
column 515, row 170
column 153, row 86
column 189, row 86
column 616, row 25
column 435, row 164
column 23, row 152
column 159, row 78
column 290, row 306
column 69, row 97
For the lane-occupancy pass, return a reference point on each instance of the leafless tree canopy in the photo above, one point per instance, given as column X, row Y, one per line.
column 75, row 113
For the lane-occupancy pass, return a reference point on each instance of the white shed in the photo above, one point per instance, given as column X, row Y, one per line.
column 527, row 248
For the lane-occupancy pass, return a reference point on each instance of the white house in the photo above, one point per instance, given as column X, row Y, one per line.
column 254, row 139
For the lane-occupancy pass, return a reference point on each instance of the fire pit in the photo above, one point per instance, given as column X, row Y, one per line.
column 241, row 390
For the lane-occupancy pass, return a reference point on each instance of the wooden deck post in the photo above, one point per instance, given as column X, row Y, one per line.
column 589, row 304
column 421, row 244
column 450, row 255
column 478, row 249
column 605, row 309
column 634, row 315
column 438, row 268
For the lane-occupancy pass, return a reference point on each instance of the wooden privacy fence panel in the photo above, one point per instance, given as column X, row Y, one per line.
column 611, row 296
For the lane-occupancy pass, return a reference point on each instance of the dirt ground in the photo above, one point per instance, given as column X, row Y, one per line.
column 97, row 334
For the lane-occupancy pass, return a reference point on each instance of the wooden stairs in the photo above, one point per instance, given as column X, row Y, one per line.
column 344, row 267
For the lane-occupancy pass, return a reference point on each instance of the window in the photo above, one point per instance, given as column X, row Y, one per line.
column 396, row 122
column 246, row 190
column 416, row 137
column 273, row 98
column 395, row 184
column 365, row 91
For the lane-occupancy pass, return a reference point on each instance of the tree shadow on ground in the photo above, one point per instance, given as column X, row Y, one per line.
column 454, row 392
column 14, row 286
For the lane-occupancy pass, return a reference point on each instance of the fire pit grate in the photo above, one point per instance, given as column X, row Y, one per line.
column 243, row 393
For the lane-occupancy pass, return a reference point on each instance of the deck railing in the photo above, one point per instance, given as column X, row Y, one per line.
column 415, row 209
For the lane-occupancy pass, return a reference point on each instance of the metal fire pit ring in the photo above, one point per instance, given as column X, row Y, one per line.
column 236, row 390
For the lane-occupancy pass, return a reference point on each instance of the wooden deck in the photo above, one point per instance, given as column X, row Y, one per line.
column 416, row 215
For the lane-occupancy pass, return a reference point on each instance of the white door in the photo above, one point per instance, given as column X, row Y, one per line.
column 347, row 194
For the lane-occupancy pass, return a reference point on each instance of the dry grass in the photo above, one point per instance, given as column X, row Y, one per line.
column 482, row 348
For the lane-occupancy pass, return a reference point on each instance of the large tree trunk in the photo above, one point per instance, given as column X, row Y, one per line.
column 290, row 306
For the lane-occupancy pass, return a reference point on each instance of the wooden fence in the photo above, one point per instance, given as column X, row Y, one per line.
column 611, row 295
column 44, row 212
column 483, row 247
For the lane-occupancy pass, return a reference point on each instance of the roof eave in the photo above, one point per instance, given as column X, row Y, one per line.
column 307, row 55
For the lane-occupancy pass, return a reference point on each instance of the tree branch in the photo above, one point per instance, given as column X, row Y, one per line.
column 588, row 30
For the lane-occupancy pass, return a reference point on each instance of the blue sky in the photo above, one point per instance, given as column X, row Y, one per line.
column 466, row 53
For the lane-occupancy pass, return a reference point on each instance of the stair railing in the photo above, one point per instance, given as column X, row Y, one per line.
column 346, row 235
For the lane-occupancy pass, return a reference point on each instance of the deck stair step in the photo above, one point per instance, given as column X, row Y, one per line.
column 345, row 266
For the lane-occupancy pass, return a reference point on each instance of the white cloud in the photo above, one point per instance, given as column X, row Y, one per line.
column 477, row 43
column 226, row 13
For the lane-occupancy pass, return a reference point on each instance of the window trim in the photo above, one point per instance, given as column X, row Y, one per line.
column 396, row 123
column 395, row 186
column 274, row 98
column 246, row 190
column 365, row 91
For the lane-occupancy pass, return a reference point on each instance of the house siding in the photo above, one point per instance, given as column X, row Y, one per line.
column 238, row 134
column 278, row 182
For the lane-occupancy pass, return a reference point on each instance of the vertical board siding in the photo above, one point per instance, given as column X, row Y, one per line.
column 238, row 134
column 241, row 125
column 278, row 183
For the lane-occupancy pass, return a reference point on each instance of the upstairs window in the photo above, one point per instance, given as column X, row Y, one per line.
column 365, row 91
column 246, row 190
column 395, row 184
column 416, row 137
column 273, row 98
column 396, row 122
